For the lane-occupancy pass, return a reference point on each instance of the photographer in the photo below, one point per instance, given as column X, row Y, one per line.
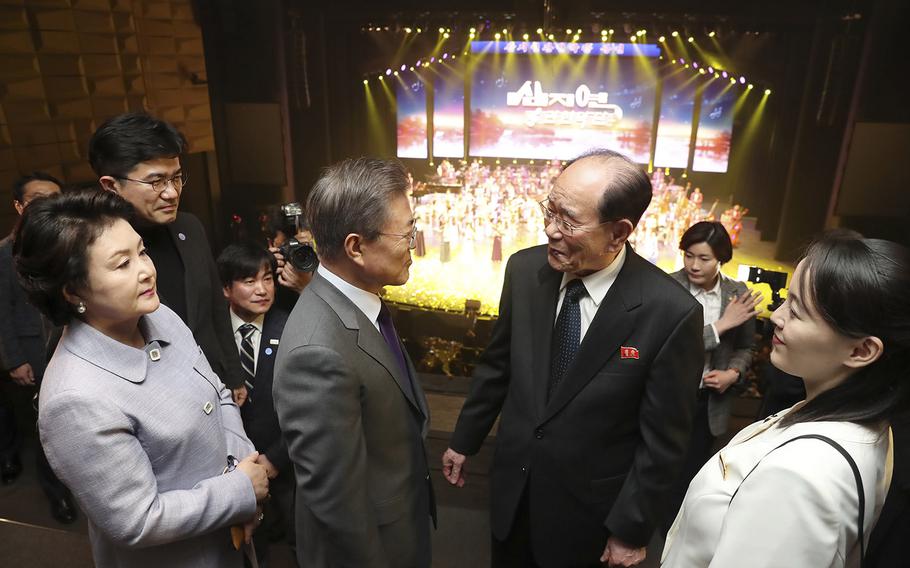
column 290, row 241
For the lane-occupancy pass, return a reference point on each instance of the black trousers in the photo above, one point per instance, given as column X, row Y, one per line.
column 278, row 521
column 516, row 550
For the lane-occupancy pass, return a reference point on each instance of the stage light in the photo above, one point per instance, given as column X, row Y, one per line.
column 687, row 65
column 701, row 71
column 407, row 30
column 742, row 80
column 723, row 74
column 641, row 32
column 661, row 39
column 575, row 38
column 578, row 31
column 532, row 162
column 403, row 67
column 388, row 71
column 633, row 38
column 711, row 34
column 412, row 68
column 732, row 80
column 380, row 77
column 445, row 55
column 568, row 32
column 419, row 30
column 710, row 69
column 717, row 75
column 552, row 37
column 505, row 31
column 432, row 60
column 442, row 30
column 767, row 91
column 497, row 161
column 514, row 161
column 365, row 81
column 749, row 86
column 610, row 31
column 471, row 35
column 540, row 30
column 681, row 60
column 418, row 63
column 691, row 39
column 473, row 30
column 395, row 73
column 446, row 35
column 525, row 37
column 695, row 64
column 675, row 34
column 497, row 36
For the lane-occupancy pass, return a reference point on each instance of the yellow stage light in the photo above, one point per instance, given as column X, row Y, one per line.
column 419, row 30
column 568, row 32
column 407, row 30
column 578, row 31
column 446, row 35
column 661, row 39
column 691, row 39
column 711, row 34
column 442, row 30
column 675, row 34
column 717, row 75
column 505, row 31
column 540, row 30
column 732, row 81
column 552, row 37
column 497, row 35
column 642, row 32
column 575, row 38
column 633, row 38
column 525, row 37
column 473, row 30
column 412, row 68
column 702, row 71
column 365, row 82
column 767, row 91
column 380, row 77
column 749, row 88
column 395, row 73
column 611, row 31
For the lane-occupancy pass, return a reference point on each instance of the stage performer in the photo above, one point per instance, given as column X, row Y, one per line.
column 593, row 364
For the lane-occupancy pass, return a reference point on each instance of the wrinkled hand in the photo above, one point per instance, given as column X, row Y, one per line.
column 250, row 526
column 453, row 467
column 270, row 468
column 23, row 375
column 240, row 394
column 618, row 553
column 738, row 311
column 257, row 474
column 720, row 380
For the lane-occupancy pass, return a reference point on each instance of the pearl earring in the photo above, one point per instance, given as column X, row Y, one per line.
column 80, row 309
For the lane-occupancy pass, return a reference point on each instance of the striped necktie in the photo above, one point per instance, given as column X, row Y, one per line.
column 247, row 353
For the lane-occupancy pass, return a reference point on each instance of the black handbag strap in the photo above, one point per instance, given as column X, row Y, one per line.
column 859, row 485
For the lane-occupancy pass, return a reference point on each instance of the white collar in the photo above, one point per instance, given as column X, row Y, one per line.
column 236, row 322
column 368, row 302
column 696, row 290
column 598, row 283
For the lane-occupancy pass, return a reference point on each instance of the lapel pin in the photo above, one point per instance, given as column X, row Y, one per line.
column 155, row 354
column 628, row 353
column 181, row 236
column 268, row 350
column 273, row 341
column 208, row 407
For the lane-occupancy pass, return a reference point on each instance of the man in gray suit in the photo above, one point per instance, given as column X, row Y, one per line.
column 347, row 396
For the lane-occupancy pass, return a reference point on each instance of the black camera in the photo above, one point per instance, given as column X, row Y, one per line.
column 302, row 256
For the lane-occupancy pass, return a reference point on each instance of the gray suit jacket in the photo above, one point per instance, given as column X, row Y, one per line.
column 355, row 439
column 734, row 351
column 22, row 337
column 142, row 444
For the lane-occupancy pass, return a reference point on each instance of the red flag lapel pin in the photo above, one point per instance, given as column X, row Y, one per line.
column 628, row 353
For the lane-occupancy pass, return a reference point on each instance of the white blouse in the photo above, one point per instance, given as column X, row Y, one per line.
column 797, row 509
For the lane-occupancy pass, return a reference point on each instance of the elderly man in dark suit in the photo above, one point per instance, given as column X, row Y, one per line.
column 247, row 274
column 138, row 157
column 593, row 365
column 23, row 354
column 349, row 403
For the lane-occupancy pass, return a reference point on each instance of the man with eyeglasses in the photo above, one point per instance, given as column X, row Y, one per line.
column 138, row 157
column 593, row 367
column 348, row 399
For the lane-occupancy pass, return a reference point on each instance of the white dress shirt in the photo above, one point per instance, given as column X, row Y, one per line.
column 597, row 285
column 710, row 303
column 367, row 302
column 236, row 322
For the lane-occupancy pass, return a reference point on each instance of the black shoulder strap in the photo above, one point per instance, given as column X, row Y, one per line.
column 856, row 476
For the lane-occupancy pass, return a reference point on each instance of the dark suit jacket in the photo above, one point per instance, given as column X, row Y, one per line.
column 601, row 456
column 22, row 334
column 259, row 418
column 888, row 543
column 733, row 351
column 354, row 436
column 207, row 310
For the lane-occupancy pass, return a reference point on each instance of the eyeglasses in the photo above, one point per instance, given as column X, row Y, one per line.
column 564, row 226
column 178, row 182
column 412, row 237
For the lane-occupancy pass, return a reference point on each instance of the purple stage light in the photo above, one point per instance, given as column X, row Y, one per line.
column 742, row 80
column 445, row 55
column 723, row 74
column 418, row 63
column 432, row 60
column 388, row 71
column 403, row 67
column 710, row 70
column 695, row 64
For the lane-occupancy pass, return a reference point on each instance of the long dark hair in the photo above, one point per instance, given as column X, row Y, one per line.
column 860, row 288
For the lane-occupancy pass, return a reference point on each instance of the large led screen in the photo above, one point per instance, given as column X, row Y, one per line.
column 674, row 129
column 448, row 114
column 411, row 96
column 715, row 128
column 556, row 100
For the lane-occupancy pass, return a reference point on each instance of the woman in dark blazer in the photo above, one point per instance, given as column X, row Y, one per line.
column 729, row 335
column 131, row 415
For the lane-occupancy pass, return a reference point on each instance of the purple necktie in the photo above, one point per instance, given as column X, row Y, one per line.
column 387, row 328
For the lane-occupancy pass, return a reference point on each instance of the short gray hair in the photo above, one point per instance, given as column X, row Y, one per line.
column 352, row 196
column 627, row 189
